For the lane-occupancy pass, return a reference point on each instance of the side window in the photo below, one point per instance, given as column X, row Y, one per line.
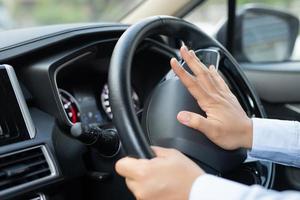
column 275, row 41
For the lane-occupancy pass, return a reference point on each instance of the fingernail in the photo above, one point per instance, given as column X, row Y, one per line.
column 192, row 53
column 184, row 48
column 184, row 117
column 175, row 61
column 211, row 67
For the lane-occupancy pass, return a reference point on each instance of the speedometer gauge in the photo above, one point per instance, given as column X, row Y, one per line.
column 70, row 106
column 106, row 104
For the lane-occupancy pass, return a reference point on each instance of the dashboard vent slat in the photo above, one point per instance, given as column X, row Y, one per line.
column 16, row 159
column 23, row 167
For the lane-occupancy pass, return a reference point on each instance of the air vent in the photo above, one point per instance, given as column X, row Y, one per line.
column 38, row 197
column 25, row 167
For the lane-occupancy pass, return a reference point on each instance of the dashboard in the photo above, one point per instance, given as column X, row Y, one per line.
column 63, row 79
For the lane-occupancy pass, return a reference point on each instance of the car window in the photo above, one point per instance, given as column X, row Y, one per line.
column 208, row 15
column 212, row 13
column 28, row 13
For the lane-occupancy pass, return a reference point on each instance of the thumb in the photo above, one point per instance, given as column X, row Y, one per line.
column 194, row 121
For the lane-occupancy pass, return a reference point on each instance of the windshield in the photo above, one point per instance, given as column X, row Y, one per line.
column 28, row 13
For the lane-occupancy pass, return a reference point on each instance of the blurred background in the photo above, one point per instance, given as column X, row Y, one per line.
column 27, row 13
column 212, row 12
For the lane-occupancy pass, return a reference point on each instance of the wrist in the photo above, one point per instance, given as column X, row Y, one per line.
column 248, row 139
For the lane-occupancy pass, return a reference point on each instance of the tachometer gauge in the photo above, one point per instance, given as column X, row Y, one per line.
column 70, row 106
column 106, row 104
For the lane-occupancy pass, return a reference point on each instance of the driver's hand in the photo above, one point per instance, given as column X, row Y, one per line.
column 226, row 123
column 169, row 176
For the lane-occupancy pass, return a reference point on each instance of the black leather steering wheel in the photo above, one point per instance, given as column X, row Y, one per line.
column 169, row 97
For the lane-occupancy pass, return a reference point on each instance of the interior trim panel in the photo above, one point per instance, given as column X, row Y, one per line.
column 20, row 98
column 275, row 83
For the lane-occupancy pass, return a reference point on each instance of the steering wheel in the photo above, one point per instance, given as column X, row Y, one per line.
column 168, row 98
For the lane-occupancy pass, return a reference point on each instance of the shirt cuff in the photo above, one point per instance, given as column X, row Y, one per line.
column 209, row 187
column 276, row 140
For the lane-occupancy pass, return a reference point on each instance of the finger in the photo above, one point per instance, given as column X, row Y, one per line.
column 130, row 184
column 219, row 81
column 215, row 77
column 187, row 78
column 196, row 57
column 212, row 68
column 194, row 54
column 191, row 60
column 189, row 81
column 128, row 167
column 194, row 121
column 160, row 151
column 134, row 187
column 202, row 64
column 199, row 69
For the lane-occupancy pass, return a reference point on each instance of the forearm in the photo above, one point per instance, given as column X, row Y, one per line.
column 208, row 187
column 277, row 141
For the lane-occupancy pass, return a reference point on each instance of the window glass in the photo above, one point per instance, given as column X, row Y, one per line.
column 212, row 13
column 27, row 13
column 208, row 15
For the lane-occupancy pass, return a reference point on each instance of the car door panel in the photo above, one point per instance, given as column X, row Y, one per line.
column 275, row 82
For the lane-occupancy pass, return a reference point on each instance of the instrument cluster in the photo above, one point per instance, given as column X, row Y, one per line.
column 90, row 107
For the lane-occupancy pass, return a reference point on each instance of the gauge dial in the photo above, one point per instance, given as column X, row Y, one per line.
column 106, row 104
column 70, row 106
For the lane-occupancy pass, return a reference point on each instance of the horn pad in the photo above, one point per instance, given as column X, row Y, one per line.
column 163, row 129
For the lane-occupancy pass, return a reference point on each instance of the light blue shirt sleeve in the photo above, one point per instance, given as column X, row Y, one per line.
column 277, row 141
column 273, row 140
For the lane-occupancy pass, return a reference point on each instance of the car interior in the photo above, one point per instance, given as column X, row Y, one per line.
column 78, row 95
